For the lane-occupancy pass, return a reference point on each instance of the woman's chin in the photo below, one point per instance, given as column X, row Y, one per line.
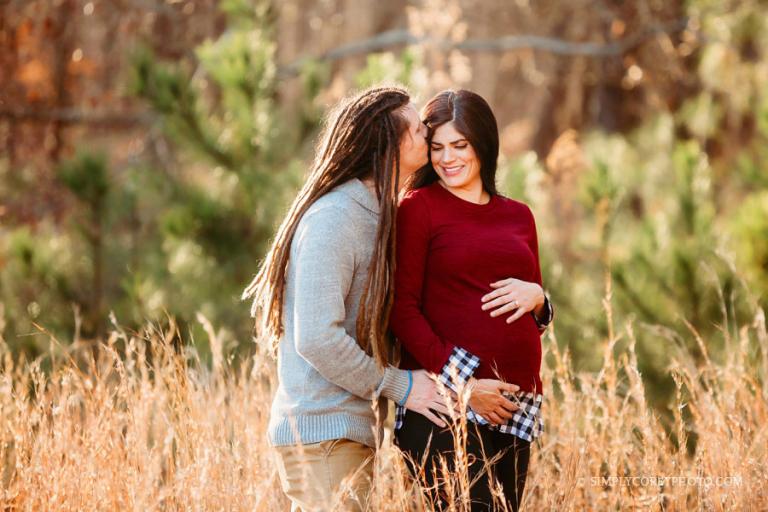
column 452, row 181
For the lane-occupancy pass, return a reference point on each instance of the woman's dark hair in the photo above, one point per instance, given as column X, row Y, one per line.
column 361, row 139
column 474, row 119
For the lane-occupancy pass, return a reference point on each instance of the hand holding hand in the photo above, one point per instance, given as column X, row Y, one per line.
column 486, row 399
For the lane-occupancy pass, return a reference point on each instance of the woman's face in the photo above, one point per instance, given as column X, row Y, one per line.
column 454, row 159
column 413, row 143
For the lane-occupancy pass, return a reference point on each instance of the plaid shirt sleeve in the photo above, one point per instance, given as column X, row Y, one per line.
column 459, row 368
column 549, row 314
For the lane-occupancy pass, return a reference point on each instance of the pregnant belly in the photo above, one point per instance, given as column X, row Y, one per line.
column 510, row 352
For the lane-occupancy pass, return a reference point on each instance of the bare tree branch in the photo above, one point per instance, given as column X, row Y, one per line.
column 561, row 47
column 394, row 38
column 76, row 116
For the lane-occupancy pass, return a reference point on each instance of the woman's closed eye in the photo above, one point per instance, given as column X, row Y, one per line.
column 458, row 146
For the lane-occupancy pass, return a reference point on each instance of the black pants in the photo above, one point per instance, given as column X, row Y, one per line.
column 510, row 469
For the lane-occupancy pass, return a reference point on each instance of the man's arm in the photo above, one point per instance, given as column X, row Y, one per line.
column 323, row 261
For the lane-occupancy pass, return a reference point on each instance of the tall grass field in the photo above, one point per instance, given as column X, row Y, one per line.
column 138, row 422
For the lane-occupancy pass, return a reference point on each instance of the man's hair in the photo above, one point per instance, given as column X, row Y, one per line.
column 361, row 139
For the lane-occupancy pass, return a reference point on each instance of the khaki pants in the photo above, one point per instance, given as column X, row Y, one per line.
column 331, row 475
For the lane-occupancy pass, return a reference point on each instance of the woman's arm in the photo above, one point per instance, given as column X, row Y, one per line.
column 407, row 321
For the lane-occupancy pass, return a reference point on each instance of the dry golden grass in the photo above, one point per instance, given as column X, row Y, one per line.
column 145, row 426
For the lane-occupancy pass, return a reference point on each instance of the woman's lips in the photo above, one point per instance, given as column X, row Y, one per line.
column 452, row 171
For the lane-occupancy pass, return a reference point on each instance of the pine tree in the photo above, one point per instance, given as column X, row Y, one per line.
column 239, row 167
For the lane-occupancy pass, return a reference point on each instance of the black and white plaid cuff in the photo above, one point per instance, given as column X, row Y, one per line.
column 549, row 314
column 461, row 365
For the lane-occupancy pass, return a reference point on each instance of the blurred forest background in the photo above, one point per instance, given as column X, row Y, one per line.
column 148, row 148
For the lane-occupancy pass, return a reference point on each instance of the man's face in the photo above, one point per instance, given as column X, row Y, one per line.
column 414, row 152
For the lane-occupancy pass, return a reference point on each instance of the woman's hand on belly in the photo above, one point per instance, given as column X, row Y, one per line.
column 486, row 399
column 513, row 294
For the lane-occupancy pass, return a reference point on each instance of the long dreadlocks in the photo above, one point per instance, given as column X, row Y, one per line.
column 361, row 139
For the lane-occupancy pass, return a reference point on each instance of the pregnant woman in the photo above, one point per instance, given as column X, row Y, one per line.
column 457, row 241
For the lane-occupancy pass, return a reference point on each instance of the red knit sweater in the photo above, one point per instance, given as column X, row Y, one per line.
column 449, row 251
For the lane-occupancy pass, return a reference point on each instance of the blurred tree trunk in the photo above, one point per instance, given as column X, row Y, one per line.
column 65, row 33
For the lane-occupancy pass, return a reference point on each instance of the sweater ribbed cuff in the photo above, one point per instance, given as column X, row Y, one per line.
column 394, row 385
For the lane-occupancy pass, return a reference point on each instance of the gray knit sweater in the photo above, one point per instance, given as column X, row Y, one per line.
column 327, row 383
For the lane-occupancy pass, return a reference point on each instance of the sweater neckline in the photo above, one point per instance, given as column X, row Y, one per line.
column 463, row 203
